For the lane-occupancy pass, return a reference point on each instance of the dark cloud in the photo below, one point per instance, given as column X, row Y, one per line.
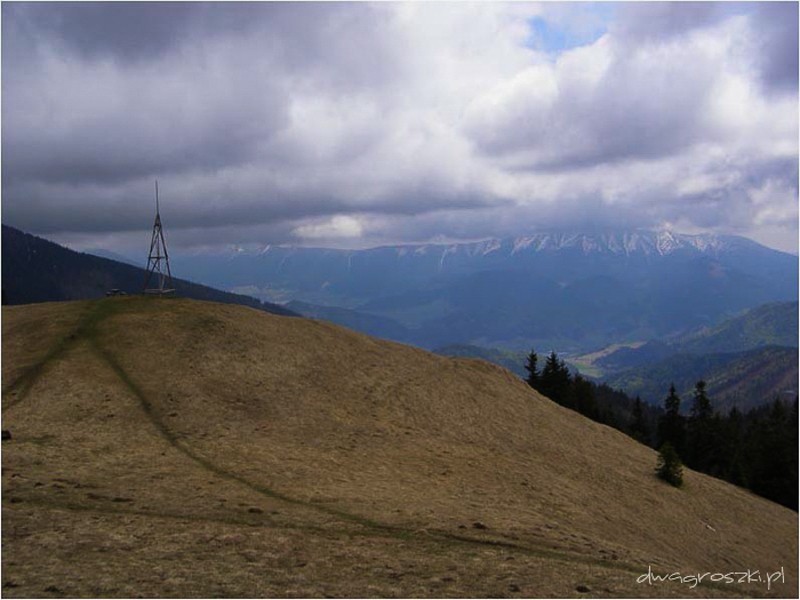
column 777, row 46
column 131, row 208
column 658, row 22
column 125, row 31
column 130, row 32
column 134, row 143
column 392, row 121
column 586, row 213
column 600, row 125
column 193, row 86
column 69, row 119
column 210, row 205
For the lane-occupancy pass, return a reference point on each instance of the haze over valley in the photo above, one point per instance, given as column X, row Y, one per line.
column 571, row 292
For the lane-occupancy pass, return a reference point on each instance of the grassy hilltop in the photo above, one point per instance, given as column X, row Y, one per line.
column 184, row 448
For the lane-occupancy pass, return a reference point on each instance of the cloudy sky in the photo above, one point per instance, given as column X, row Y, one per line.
column 356, row 124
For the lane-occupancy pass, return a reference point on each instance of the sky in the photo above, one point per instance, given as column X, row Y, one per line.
column 360, row 124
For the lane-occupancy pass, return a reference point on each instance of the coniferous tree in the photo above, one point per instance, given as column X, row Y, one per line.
column 639, row 428
column 701, row 405
column 671, row 425
column 732, row 441
column 669, row 467
column 756, row 450
column 533, row 370
column 554, row 379
column 774, row 469
column 581, row 396
column 701, row 442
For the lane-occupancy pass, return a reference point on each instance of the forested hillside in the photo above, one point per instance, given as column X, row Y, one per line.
column 37, row 270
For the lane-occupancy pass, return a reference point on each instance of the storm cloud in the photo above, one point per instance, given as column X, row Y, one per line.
column 357, row 124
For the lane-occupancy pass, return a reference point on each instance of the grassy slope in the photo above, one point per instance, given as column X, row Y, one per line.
column 512, row 360
column 181, row 448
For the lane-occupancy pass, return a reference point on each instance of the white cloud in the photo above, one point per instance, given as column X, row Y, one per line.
column 310, row 121
column 340, row 226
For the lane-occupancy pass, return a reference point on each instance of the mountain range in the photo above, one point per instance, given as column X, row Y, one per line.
column 743, row 379
column 746, row 361
column 573, row 292
column 773, row 324
column 761, row 342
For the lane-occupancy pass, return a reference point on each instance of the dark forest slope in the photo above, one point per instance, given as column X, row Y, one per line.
column 37, row 270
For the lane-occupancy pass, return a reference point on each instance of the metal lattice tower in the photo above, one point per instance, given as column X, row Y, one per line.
column 158, row 259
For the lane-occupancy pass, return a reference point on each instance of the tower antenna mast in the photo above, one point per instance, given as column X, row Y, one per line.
column 158, row 259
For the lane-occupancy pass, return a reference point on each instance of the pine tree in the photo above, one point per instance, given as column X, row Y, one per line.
column 701, row 442
column 732, row 452
column 774, row 470
column 581, row 396
column 639, row 429
column 668, row 466
column 701, row 405
column 532, row 369
column 671, row 425
column 555, row 379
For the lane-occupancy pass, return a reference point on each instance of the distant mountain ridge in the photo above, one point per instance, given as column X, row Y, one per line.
column 773, row 324
column 746, row 361
column 743, row 379
column 625, row 242
column 642, row 242
column 568, row 291
column 315, row 271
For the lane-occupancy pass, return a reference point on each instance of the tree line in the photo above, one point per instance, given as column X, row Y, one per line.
column 756, row 449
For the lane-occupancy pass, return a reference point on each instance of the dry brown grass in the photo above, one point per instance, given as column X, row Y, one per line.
column 180, row 448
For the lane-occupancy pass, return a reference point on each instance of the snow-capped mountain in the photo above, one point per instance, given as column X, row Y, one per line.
column 588, row 287
column 642, row 242
column 620, row 243
column 616, row 243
